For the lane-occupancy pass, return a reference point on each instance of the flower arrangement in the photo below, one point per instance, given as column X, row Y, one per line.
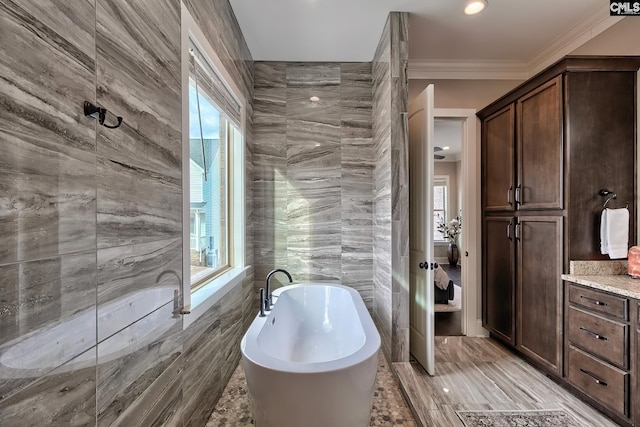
column 450, row 230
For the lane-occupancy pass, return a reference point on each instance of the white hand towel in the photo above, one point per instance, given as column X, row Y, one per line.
column 614, row 233
column 604, row 237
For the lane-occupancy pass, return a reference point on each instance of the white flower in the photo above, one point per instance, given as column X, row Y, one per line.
column 450, row 230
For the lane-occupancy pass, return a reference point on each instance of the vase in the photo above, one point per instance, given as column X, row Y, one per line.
column 453, row 254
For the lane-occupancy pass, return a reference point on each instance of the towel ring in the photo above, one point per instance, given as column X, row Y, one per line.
column 613, row 196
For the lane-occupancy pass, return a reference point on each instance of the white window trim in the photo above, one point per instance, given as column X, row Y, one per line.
column 198, row 302
column 437, row 179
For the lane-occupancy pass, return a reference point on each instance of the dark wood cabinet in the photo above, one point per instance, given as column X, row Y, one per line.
column 548, row 147
column 499, row 269
column 599, row 350
column 540, row 156
column 498, row 174
column 539, row 290
column 636, row 356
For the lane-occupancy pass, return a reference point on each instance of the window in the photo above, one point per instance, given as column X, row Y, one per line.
column 213, row 175
column 440, row 203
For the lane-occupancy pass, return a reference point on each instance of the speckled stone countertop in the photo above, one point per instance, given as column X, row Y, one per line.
column 609, row 276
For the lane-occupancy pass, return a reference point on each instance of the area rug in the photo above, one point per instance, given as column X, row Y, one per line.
column 547, row 418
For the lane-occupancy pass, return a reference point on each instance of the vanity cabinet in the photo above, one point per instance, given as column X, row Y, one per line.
column 548, row 147
column 599, row 348
column 636, row 356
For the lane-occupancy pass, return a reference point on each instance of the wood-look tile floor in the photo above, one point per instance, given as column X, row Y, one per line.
column 480, row 374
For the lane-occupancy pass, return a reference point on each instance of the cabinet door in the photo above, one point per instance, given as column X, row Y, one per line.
column 498, row 160
column 498, row 291
column 539, row 115
column 636, row 390
column 539, row 289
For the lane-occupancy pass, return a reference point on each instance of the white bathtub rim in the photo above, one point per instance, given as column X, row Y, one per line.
column 370, row 348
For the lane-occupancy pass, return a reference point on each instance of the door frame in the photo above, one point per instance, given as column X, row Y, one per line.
column 471, row 231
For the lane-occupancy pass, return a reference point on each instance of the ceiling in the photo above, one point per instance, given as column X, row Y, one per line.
column 448, row 133
column 514, row 35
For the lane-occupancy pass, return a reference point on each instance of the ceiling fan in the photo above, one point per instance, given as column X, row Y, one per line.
column 437, row 156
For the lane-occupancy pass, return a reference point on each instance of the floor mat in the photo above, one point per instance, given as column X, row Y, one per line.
column 517, row 418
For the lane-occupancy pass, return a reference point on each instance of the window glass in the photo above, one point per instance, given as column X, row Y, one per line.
column 211, row 140
column 439, row 207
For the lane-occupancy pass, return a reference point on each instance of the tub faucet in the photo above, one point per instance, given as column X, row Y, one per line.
column 269, row 296
column 178, row 307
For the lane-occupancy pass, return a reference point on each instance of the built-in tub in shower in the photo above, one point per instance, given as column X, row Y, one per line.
column 63, row 345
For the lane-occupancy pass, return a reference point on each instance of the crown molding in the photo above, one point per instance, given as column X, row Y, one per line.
column 571, row 40
column 468, row 70
column 512, row 69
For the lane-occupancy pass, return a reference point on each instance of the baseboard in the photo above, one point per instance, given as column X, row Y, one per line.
column 477, row 330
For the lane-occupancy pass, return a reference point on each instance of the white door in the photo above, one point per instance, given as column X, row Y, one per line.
column 421, row 229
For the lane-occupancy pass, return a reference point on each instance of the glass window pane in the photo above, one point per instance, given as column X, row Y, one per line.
column 436, row 220
column 438, row 197
column 208, row 182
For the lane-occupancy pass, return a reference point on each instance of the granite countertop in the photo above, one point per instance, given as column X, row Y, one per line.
column 609, row 276
column 618, row 284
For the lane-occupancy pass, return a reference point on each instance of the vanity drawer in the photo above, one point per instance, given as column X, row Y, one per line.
column 599, row 380
column 612, row 305
column 605, row 338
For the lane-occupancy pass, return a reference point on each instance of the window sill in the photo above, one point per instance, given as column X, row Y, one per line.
column 440, row 243
column 212, row 292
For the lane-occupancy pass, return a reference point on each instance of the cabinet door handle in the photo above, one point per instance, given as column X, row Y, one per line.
column 509, row 230
column 517, row 233
column 509, row 195
column 593, row 377
column 518, row 190
column 593, row 301
column 594, row 335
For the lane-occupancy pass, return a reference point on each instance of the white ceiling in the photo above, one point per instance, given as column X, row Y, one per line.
column 448, row 133
column 517, row 35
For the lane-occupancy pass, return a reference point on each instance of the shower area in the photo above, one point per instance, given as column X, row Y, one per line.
column 91, row 220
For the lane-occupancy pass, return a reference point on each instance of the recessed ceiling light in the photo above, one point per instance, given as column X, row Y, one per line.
column 314, row 99
column 473, row 7
column 446, row 148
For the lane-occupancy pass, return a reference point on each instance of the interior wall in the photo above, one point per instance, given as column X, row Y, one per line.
column 463, row 93
column 92, row 218
column 313, row 182
column 391, row 205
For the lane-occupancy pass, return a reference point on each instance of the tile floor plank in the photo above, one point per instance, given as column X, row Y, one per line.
column 481, row 374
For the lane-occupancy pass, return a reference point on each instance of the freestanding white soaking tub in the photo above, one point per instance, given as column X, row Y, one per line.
column 312, row 360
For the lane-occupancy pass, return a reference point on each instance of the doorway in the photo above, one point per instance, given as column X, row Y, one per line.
column 448, row 221
column 469, row 204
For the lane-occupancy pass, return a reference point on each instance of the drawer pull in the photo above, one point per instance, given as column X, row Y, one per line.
column 593, row 334
column 594, row 301
column 593, row 377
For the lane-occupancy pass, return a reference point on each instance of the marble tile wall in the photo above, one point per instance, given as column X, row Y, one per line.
column 391, row 218
column 47, row 211
column 91, row 217
column 313, row 173
column 139, row 197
